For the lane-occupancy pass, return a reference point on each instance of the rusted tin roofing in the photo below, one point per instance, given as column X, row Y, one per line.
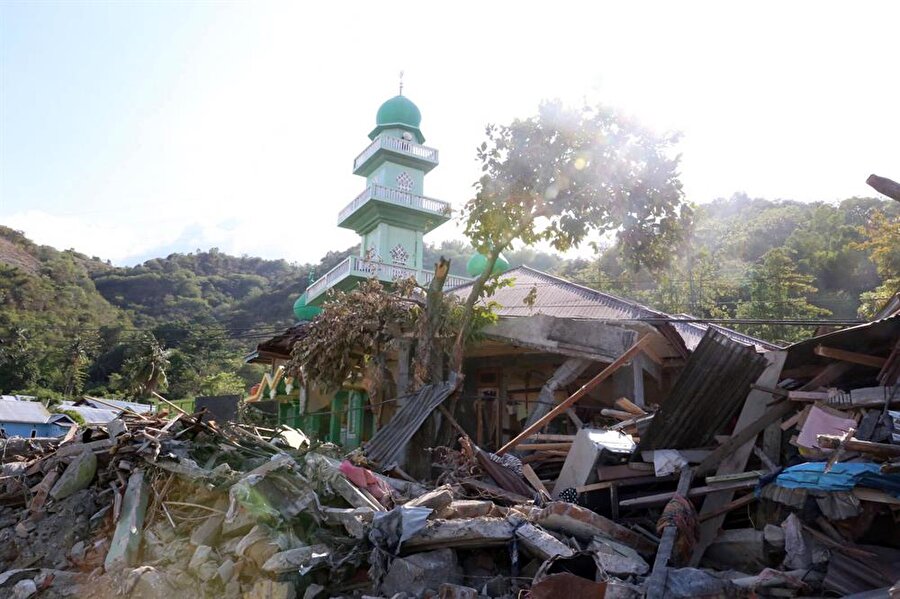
column 710, row 391
column 558, row 297
column 386, row 444
column 875, row 338
column 278, row 347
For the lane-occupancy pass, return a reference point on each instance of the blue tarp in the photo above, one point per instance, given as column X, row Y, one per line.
column 843, row 476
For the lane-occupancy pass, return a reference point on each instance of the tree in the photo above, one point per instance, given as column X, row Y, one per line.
column 144, row 371
column 566, row 173
column 76, row 358
column 18, row 366
column 778, row 291
column 882, row 242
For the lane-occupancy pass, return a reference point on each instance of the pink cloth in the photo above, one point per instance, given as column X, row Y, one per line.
column 365, row 479
column 820, row 422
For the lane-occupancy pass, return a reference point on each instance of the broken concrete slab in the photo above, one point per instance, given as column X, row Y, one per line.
column 420, row 572
column 580, row 465
column 437, row 499
column 77, row 475
column 201, row 556
column 472, row 508
column 297, row 558
column 354, row 520
column 208, row 531
column 540, row 544
column 583, row 523
column 127, row 537
column 239, row 524
column 270, row 589
column 618, row 559
column 465, row 532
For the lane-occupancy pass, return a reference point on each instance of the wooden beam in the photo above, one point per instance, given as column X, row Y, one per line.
column 660, row 498
column 828, row 375
column 886, row 450
column 749, row 433
column 544, row 446
column 849, row 356
column 885, row 186
column 731, row 505
column 535, row 481
column 570, row 401
column 623, row 403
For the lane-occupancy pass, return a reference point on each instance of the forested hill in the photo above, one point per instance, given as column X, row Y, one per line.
column 69, row 322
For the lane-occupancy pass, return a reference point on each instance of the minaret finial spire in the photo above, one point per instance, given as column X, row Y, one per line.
column 401, row 83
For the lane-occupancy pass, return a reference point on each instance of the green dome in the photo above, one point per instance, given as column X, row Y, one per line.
column 304, row 312
column 398, row 112
column 478, row 263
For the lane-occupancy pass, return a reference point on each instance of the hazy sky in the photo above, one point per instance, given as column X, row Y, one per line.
column 134, row 129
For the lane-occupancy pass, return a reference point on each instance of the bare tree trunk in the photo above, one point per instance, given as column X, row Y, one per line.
column 430, row 356
column 431, row 360
column 884, row 185
column 456, row 357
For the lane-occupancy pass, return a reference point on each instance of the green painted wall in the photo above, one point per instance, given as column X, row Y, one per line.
column 385, row 237
column 387, row 175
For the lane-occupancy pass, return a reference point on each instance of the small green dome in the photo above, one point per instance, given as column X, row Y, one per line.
column 398, row 112
column 304, row 312
column 478, row 263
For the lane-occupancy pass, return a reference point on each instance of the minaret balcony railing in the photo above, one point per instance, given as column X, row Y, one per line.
column 400, row 146
column 360, row 268
column 397, row 197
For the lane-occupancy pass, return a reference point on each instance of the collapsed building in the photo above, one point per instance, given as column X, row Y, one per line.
column 593, row 447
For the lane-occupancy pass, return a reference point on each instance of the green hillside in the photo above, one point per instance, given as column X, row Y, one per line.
column 71, row 323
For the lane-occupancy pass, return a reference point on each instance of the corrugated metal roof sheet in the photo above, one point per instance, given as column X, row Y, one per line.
column 94, row 415
column 385, row 445
column 140, row 408
column 710, row 391
column 28, row 412
column 564, row 299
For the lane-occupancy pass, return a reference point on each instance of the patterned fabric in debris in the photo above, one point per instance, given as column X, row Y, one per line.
column 680, row 513
column 508, row 460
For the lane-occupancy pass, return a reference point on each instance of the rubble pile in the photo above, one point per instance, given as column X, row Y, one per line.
column 774, row 475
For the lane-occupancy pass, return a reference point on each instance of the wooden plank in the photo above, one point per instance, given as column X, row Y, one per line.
column 731, row 505
column 849, row 356
column 618, row 471
column 661, row 498
column 808, row 395
column 775, row 412
column 728, row 478
column 572, row 399
column 625, row 482
column 544, row 446
column 532, row 477
column 867, row 494
column 617, row 414
column 881, row 449
column 553, row 438
column 828, row 375
column 623, row 403
column 574, row 418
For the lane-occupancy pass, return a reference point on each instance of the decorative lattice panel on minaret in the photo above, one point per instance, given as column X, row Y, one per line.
column 404, row 181
column 399, row 255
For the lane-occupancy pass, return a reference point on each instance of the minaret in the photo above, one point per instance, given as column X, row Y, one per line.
column 392, row 214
